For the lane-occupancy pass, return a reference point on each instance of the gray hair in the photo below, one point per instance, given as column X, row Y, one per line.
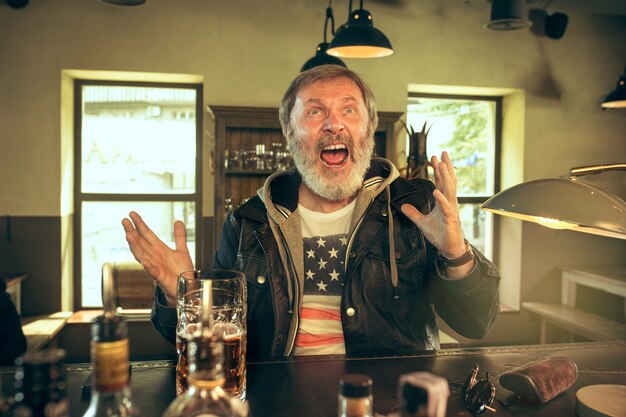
column 325, row 73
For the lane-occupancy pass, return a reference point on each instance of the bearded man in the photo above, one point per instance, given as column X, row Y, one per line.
column 342, row 255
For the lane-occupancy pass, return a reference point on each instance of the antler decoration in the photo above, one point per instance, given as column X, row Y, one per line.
column 417, row 159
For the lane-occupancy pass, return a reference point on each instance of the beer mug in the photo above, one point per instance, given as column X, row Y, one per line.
column 229, row 299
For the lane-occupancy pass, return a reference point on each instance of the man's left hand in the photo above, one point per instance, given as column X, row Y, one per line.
column 442, row 226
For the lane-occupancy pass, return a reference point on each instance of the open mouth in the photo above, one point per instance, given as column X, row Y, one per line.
column 334, row 155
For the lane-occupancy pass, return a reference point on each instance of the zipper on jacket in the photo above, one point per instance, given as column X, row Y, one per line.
column 356, row 228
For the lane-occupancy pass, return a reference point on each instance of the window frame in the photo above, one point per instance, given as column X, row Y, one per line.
column 80, row 197
column 498, row 101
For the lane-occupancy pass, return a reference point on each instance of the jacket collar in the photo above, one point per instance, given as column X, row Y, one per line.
column 280, row 191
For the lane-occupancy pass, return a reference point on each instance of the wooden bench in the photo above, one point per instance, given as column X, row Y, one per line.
column 609, row 279
column 14, row 288
column 577, row 321
column 40, row 331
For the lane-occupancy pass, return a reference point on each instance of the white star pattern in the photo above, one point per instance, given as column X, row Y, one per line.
column 322, row 263
column 324, row 266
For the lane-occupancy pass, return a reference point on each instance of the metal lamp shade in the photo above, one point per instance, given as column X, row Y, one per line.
column 563, row 204
column 360, row 39
column 321, row 58
column 508, row 15
column 617, row 98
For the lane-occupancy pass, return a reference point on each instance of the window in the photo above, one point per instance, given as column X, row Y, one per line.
column 469, row 128
column 138, row 148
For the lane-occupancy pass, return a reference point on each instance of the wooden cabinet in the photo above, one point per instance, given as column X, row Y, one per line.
column 239, row 130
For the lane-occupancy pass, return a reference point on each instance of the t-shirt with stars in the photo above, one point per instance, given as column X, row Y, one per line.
column 325, row 239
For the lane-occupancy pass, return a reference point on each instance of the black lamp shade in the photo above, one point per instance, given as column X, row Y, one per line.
column 321, row 58
column 125, row 2
column 508, row 15
column 359, row 38
column 617, row 98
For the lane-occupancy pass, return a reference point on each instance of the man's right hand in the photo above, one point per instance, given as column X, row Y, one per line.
column 162, row 263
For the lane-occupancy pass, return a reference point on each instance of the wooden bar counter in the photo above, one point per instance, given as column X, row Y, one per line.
column 307, row 387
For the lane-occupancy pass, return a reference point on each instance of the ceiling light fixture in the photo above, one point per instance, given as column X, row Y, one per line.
column 321, row 57
column 508, row 15
column 358, row 38
column 565, row 203
column 125, row 2
column 617, row 98
column 17, row 4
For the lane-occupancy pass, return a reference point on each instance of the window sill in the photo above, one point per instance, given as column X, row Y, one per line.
column 508, row 309
column 88, row 316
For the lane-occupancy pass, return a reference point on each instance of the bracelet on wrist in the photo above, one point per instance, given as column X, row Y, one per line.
column 467, row 257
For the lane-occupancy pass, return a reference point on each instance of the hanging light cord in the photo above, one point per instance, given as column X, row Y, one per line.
column 350, row 6
column 329, row 16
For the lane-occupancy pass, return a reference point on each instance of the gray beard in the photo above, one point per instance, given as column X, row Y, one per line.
column 327, row 184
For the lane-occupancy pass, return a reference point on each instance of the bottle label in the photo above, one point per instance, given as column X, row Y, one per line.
column 110, row 361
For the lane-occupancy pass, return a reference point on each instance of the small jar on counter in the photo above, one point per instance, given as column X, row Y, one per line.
column 355, row 396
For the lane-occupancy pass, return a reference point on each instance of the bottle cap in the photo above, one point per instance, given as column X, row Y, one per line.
column 413, row 397
column 423, row 393
column 355, row 386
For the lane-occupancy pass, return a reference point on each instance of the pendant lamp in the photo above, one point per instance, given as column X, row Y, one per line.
column 617, row 98
column 358, row 38
column 508, row 15
column 567, row 204
column 125, row 2
column 321, row 57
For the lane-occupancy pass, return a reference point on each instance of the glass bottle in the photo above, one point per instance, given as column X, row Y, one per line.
column 111, row 394
column 355, row 396
column 40, row 385
column 205, row 354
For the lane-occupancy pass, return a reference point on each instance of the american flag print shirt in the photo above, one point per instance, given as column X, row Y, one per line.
column 325, row 239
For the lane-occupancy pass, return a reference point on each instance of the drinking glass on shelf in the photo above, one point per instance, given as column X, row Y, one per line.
column 228, row 204
column 234, row 159
column 277, row 149
column 228, row 292
column 260, row 156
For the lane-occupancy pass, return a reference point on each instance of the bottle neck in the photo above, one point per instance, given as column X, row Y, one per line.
column 110, row 396
column 116, row 402
column 201, row 383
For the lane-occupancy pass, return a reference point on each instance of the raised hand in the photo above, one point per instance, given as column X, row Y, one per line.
column 442, row 226
column 162, row 263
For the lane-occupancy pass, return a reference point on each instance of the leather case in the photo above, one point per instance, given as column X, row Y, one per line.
column 541, row 381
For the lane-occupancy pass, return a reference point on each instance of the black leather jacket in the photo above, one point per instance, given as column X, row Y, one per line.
column 379, row 316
